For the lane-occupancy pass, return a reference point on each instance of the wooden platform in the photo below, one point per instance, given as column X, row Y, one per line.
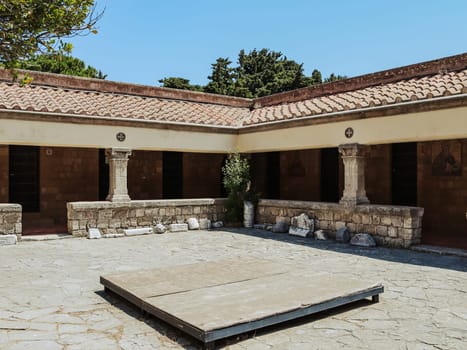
column 214, row 300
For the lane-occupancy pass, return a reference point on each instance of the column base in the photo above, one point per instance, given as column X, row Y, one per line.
column 352, row 202
column 119, row 198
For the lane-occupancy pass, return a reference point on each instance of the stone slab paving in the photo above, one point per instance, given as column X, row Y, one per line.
column 50, row 296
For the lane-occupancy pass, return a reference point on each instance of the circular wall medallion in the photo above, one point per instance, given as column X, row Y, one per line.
column 348, row 133
column 121, row 136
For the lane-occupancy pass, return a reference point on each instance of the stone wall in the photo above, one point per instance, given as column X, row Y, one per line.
column 145, row 175
column 66, row 174
column 301, row 175
column 202, row 175
column 10, row 219
column 378, row 172
column 393, row 226
column 4, row 173
column 113, row 217
column 443, row 193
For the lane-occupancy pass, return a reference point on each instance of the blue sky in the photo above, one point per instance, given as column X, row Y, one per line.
column 142, row 41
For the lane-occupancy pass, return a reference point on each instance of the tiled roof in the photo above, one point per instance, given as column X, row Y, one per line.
column 416, row 89
column 109, row 105
column 61, row 95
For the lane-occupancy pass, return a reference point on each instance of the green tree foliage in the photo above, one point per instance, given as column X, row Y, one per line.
column 333, row 77
column 61, row 64
column 179, row 83
column 31, row 26
column 236, row 181
column 260, row 73
column 316, row 77
column 222, row 77
column 265, row 72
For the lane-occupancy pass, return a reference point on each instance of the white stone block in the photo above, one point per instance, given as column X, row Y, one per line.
column 321, row 235
column 113, row 235
column 8, row 239
column 178, row 227
column 193, row 224
column 94, row 233
column 204, row 224
column 138, row 231
column 297, row 231
column 303, row 221
column 160, row 228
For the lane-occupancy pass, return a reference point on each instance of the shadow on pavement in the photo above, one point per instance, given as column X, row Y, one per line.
column 404, row 256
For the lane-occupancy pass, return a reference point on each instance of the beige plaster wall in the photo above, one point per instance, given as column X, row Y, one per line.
column 433, row 125
column 26, row 132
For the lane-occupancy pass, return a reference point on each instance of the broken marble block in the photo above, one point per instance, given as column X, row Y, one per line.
column 178, row 227
column 296, row 231
column 343, row 235
column 94, row 233
column 204, row 224
column 301, row 225
column 138, row 231
column 193, row 224
column 160, row 228
column 8, row 240
column 363, row 240
column 320, row 235
column 280, row 227
column 303, row 221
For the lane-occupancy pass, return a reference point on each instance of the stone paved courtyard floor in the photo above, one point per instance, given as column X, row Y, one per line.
column 50, row 296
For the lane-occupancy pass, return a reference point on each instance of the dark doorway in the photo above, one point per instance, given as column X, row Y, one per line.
column 103, row 176
column 223, row 192
column 273, row 175
column 404, row 174
column 24, row 177
column 172, row 175
column 330, row 175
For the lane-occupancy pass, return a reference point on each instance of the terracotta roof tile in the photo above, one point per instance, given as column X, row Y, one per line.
column 415, row 89
column 95, row 104
column 69, row 96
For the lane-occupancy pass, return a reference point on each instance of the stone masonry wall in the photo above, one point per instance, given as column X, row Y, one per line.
column 10, row 219
column 378, row 171
column 113, row 217
column 202, row 175
column 393, row 226
column 300, row 175
column 145, row 175
column 443, row 195
column 66, row 174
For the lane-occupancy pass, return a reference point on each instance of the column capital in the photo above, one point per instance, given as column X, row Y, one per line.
column 353, row 150
column 118, row 153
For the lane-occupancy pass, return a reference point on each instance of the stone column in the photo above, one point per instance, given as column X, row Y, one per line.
column 353, row 156
column 118, row 163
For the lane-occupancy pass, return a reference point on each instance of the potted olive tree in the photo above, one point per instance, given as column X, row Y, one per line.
column 241, row 198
